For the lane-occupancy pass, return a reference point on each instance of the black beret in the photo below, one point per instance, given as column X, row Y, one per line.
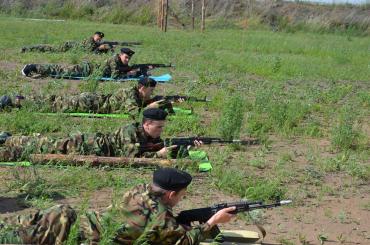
column 101, row 34
column 147, row 82
column 5, row 101
column 171, row 179
column 127, row 51
column 155, row 114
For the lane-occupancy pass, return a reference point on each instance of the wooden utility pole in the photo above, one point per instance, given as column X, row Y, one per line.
column 203, row 15
column 165, row 7
column 159, row 14
column 162, row 14
column 192, row 15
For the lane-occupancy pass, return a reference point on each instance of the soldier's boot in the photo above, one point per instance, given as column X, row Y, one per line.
column 29, row 69
column 4, row 136
column 5, row 102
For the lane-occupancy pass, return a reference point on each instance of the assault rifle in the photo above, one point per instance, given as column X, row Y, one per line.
column 189, row 141
column 179, row 97
column 202, row 215
column 114, row 43
column 143, row 68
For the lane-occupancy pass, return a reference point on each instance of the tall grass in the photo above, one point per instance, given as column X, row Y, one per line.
column 231, row 118
column 345, row 135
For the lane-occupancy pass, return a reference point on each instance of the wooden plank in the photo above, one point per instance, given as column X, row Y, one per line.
column 95, row 161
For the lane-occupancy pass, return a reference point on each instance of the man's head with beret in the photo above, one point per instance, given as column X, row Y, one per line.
column 147, row 82
column 172, row 183
column 125, row 55
column 98, row 36
column 171, row 179
column 154, row 121
column 99, row 33
column 155, row 114
column 146, row 86
column 127, row 51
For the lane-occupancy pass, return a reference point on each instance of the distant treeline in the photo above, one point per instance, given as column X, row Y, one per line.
column 244, row 14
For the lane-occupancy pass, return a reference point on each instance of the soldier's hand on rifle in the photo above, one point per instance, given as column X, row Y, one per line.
column 104, row 47
column 165, row 151
column 155, row 104
column 133, row 72
column 222, row 216
column 198, row 143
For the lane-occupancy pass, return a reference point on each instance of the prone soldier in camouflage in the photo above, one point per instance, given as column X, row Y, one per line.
column 115, row 67
column 51, row 226
column 91, row 44
column 128, row 141
column 130, row 101
column 145, row 214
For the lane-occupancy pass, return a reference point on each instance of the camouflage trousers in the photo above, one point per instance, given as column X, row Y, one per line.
column 49, row 48
column 20, row 147
column 51, row 226
column 84, row 102
column 84, row 69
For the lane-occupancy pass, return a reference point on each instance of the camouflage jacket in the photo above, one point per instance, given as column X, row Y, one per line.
column 126, row 101
column 127, row 141
column 130, row 141
column 122, row 101
column 89, row 44
column 114, row 68
column 142, row 219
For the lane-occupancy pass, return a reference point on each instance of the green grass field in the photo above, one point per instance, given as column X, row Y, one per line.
column 305, row 95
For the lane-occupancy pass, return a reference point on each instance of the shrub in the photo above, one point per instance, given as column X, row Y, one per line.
column 344, row 135
column 232, row 117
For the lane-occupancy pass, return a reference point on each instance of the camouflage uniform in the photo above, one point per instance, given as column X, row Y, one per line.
column 126, row 141
column 122, row 101
column 113, row 68
column 142, row 219
column 126, row 101
column 88, row 44
column 50, row 226
column 84, row 69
